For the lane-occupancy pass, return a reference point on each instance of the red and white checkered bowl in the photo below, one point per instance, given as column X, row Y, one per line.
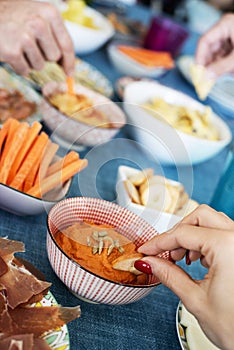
column 83, row 283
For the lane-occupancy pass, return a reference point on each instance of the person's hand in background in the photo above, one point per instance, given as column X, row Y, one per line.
column 215, row 49
column 32, row 33
column 209, row 236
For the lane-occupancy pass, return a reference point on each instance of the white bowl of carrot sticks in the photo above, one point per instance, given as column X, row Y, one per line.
column 32, row 176
column 139, row 62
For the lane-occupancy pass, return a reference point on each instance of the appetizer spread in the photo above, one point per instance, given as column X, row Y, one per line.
column 185, row 119
column 14, row 105
column 159, row 193
column 81, row 108
column 102, row 250
column 21, row 321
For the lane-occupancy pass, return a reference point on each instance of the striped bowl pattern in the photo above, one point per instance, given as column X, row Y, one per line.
column 80, row 281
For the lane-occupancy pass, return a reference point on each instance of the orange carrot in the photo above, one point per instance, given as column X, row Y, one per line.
column 34, row 173
column 33, row 132
column 47, row 158
column 32, row 159
column 70, row 85
column 58, row 178
column 148, row 57
column 67, row 159
column 12, row 127
column 4, row 132
column 17, row 140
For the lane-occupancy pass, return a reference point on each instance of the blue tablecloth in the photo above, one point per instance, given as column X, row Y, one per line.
column 151, row 322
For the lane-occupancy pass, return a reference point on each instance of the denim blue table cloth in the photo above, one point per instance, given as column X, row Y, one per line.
column 150, row 323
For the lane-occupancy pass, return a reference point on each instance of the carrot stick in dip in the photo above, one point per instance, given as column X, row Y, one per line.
column 70, row 85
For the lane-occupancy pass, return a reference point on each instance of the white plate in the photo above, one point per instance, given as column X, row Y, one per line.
column 167, row 144
column 59, row 338
column 190, row 335
column 85, row 39
column 11, row 82
column 127, row 66
column 223, row 90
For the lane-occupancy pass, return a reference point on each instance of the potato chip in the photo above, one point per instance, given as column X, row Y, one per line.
column 202, row 83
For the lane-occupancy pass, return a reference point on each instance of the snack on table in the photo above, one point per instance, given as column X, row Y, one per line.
column 27, row 159
column 81, row 108
column 102, row 250
column 76, row 13
column 202, row 83
column 20, row 320
column 185, row 119
column 14, row 105
column 159, row 193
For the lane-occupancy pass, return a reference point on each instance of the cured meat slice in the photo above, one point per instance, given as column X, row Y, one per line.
column 17, row 342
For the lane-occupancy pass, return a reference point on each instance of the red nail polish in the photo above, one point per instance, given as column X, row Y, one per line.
column 187, row 258
column 143, row 266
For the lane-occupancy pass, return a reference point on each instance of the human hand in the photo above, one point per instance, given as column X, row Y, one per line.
column 215, row 48
column 209, row 236
column 31, row 33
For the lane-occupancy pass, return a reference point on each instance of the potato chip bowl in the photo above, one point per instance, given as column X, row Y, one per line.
column 81, row 282
column 74, row 131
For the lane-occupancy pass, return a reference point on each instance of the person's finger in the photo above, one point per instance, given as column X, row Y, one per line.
column 20, row 65
column 223, row 65
column 205, row 216
column 175, row 279
column 33, row 55
column 42, row 33
column 63, row 40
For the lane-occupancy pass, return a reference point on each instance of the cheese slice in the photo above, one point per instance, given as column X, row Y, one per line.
column 202, row 83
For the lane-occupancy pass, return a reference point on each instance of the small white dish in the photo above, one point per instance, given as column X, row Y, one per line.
column 85, row 39
column 161, row 221
column 223, row 90
column 190, row 335
column 167, row 144
column 128, row 66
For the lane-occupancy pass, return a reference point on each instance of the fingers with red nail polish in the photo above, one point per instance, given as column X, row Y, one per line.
column 143, row 266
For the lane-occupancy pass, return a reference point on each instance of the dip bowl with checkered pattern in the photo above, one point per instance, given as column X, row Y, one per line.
column 83, row 283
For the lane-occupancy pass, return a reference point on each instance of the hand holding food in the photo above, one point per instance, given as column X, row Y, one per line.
column 32, row 33
column 209, row 236
column 215, row 50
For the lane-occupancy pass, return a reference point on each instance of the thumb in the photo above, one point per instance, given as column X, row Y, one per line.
column 175, row 278
column 223, row 65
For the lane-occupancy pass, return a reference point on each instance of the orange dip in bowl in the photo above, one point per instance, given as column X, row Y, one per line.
column 96, row 247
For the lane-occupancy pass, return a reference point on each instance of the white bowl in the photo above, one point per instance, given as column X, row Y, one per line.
column 130, row 67
column 82, row 282
column 22, row 204
column 161, row 221
column 85, row 39
column 168, row 145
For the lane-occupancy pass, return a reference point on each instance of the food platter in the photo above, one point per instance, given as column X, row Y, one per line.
column 190, row 335
column 85, row 74
column 223, row 90
column 57, row 339
column 11, row 83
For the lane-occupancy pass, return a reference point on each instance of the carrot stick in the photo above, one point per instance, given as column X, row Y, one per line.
column 12, row 127
column 16, row 142
column 32, row 159
column 58, row 178
column 4, row 132
column 47, row 158
column 33, row 132
column 69, row 158
column 148, row 57
column 70, row 85
column 34, row 173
